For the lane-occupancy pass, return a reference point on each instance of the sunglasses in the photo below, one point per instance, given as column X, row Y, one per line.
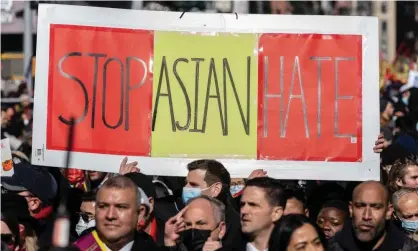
column 86, row 217
column 7, row 238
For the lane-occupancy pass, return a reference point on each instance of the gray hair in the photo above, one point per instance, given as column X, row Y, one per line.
column 396, row 197
column 218, row 208
column 122, row 182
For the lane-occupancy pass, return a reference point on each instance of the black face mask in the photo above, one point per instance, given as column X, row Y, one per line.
column 194, row 239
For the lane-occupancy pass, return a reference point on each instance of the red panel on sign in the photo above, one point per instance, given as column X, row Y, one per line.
column 101, row 77
column 310, row 98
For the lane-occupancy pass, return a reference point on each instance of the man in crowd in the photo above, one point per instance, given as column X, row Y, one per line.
column 87, row 213
column 296, row 202
column 404, row 173
column 262, row 204
column 39, row 189
column 405, row 203
column 199, row 226
column 153, row 221
column 371, row 229
column 118, row 203
column 210, row 177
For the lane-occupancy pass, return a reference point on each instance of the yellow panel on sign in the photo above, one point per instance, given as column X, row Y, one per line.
column 204, row 95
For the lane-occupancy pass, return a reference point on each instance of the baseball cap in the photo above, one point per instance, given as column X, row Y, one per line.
column 34, row 179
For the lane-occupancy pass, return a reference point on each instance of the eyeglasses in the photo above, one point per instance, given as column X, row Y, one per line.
column 85, row 216
column 7, row 238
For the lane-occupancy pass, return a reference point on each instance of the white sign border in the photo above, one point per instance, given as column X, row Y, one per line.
column 368, row 169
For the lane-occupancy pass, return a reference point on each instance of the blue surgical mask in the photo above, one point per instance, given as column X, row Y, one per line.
column 410, row 226
column 236, row 189
column 405, row 100
column 190, row 193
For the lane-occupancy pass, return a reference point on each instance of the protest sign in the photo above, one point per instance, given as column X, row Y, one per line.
column 294, row 95
column 6, row 159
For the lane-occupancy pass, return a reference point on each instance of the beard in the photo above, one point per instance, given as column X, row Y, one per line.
column 372, row 235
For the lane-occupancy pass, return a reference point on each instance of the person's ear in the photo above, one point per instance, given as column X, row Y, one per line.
column 34, row 204
column 151, row 204
column 307, row 212
column 222, row 230
column 142, row 212
column 399, row 182
column 276, row 214
column 216, row 189
column 389, row 212
column 350, row 207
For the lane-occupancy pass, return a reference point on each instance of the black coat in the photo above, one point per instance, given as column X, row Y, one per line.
column 164, row 209
column 395, row 240
column 233, row 237
column 44, row 229
column 143, row 241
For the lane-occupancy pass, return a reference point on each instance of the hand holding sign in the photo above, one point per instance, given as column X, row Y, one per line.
column 380, row 144
column 126, row 167
column 257, row 173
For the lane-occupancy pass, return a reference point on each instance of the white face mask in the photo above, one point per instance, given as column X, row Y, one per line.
column 82, row 225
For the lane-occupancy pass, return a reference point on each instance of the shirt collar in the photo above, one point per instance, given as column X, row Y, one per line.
column 250, row 247
column 127, row 247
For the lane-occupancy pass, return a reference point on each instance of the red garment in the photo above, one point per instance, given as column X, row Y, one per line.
column 153, row 229
column 75, row 175
column 44, row 213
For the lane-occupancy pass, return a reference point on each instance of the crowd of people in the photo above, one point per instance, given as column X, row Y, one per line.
column 207, row 210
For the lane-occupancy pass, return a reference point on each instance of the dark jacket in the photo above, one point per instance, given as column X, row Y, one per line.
column 395, row 240
column 44, row 229
column 233, row 237
column 164, row 209
column 143, row 241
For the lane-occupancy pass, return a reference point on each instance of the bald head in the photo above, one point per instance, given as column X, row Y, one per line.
column 374, row 187
column 198, row 208
column 370, row 209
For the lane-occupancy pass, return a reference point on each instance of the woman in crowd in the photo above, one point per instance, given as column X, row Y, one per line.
column 296, row 232
column 332, row 216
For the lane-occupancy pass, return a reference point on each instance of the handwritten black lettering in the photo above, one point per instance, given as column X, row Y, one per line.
column 226, row 69
column 186, row 96
column 120, row 121
column 130, row 88
column 95, row 74
column 196, row 95
column 80, row 83
column 212, row 71
column 168, row 95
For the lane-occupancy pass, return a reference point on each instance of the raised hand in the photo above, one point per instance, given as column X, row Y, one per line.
column 126, row 167
column 211, row 245
column 380, row 144
column 257, row 173
column 173, row 227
